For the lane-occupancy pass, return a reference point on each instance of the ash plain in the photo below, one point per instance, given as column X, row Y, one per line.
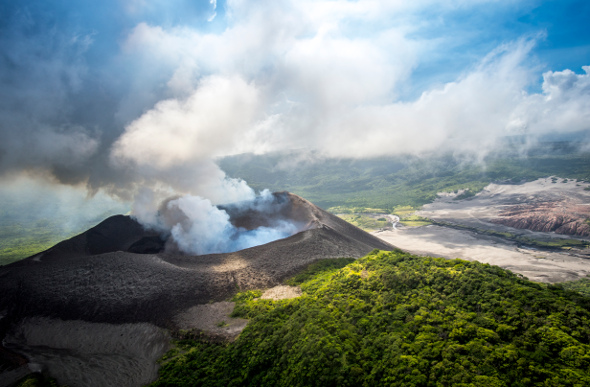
column 483, row 212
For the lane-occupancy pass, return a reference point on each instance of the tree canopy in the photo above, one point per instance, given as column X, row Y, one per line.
column 396, row 319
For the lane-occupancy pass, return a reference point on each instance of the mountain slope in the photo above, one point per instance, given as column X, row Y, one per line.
column 94, row 277
column 401, row 320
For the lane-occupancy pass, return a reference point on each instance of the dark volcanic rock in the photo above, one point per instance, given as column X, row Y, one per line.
column 117, row 233
column 99, row 276
column 148, row 245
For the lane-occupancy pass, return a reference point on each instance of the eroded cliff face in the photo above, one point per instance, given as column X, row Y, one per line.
column 560, row 217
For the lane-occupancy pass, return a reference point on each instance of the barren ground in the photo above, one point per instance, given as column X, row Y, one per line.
column 536, row 265
column 80, row 353
column 541, row 265
column 281, row 292
column 492, row 208
column 212, row 319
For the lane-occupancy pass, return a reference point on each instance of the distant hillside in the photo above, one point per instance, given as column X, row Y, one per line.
column 385, row 183
column 399, row 320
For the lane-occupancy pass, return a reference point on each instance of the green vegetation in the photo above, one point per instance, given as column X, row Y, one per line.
column 322, row 267
column 23, row 237
column 18, row 242
column 466, row 194
column 415, row 221
column 37, row 380
column 400, row 320
column 403, row 211
column 582, row 285
column 356, row 210
column 364, row 221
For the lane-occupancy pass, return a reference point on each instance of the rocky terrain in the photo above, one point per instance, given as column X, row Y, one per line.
column 549, row 266
column 118, row 273
column 560, row 216
column 545, row 209
column 495, row 225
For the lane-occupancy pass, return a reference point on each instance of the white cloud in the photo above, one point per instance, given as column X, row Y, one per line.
column 199, row 127
column 562, row 107
column 300, row 75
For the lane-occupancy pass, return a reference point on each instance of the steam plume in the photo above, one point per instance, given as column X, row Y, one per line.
column 195, row 226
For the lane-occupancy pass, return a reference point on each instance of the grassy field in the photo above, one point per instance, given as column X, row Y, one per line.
column 414, row 221
column 21, row 239
column 18, row 241
column 365, row 221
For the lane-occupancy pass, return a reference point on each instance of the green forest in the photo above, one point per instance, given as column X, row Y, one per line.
column 395, row 319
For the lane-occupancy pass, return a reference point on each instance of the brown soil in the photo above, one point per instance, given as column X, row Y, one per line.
column 281, row 292
column 213, row 319
column 538, row 209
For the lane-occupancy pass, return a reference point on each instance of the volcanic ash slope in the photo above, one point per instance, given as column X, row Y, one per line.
column 100, row 275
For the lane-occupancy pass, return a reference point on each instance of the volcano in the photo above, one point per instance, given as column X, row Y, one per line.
column 119, row 273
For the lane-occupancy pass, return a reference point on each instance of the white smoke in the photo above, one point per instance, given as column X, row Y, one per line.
column 194, row 225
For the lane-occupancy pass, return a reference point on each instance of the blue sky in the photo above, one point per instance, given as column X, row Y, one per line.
column 122, row 94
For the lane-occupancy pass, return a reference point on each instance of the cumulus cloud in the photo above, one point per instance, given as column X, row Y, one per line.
column 338, row 95
column 562, row 107
column 176, row 132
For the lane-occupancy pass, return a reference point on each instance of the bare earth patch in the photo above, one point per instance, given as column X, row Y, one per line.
column 212, row 319
column 281, row 292
column 540, row 209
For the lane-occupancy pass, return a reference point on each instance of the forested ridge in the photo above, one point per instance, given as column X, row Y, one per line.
column 392, row 318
